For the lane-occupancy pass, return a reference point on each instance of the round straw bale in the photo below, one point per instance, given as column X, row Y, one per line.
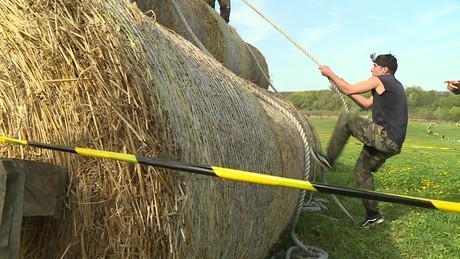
column 197, row 22
column 100, row 74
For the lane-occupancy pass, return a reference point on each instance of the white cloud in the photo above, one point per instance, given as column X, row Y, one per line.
column 441, row 13
column 313, row 35
column 424, row 35
column 361, row 48
column 250, row 25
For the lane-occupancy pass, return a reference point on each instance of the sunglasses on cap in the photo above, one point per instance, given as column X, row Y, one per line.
column 372, row 56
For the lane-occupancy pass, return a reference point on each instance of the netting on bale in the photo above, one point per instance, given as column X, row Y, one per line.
column 196, row 21
column 100, row 74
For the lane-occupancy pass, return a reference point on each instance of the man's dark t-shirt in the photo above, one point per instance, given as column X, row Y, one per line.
column 389, row 109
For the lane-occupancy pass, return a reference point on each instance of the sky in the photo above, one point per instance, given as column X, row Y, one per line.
column 424, row 36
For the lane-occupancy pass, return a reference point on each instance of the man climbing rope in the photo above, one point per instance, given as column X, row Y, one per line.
column 224, row 8
column 382, row 138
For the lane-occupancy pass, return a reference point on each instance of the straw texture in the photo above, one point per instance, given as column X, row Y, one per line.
column 101, row 74
column 204, row 27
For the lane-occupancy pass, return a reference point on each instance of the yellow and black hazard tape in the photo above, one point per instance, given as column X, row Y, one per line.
column 245, row 176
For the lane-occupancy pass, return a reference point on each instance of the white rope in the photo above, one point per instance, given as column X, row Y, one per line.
column 189, row 30
column 261, row 69
column 314, row 251
column 301, row 48
column 203, row 48
column 259, row 94
column 312, row 204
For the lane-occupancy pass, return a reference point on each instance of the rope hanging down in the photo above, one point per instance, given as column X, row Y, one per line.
column 342, row 99
column 302, row 128
column 245, row 176
column 312, row 250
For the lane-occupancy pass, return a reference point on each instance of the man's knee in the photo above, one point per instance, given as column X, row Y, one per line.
column 363, row 169
column 346, row 118
column 364, row 180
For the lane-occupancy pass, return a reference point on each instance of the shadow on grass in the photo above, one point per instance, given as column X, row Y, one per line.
column 333, row 231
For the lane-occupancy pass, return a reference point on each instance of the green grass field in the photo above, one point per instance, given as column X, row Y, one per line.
column 427, row 167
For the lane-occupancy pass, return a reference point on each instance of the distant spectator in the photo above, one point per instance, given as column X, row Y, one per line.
column 224, row 8
column 453, row 86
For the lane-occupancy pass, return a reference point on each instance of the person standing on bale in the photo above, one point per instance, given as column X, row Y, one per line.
column 224, row 8
column 383, row 136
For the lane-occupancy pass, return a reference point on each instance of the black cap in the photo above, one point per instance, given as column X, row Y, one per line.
column 386, row 60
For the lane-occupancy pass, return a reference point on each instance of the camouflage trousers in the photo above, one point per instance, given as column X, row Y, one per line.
column 376, row 149
column 224, row 8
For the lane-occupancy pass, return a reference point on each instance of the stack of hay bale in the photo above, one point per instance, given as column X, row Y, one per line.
column 197, row 22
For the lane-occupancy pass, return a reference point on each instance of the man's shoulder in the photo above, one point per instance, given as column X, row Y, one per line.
column 390, row 80
column 378, row 84
column 374, row 81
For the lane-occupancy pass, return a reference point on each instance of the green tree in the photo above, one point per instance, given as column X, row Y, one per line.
column 304, row 100
column 417, row 98
column 328, row 101
column 429, row 105
column 441, row 113
column 297, row 99
column 454, row 113
column 425, row 113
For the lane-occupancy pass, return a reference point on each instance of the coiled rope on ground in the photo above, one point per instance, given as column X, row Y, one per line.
column 308, row 206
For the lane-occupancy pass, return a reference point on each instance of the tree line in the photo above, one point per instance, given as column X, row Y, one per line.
column 427, row 105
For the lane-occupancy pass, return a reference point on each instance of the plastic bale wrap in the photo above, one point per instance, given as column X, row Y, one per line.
column 196, row 21
column 100, row 74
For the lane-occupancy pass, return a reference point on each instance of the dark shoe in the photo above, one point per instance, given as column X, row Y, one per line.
column 377, row 219
column 322, row 161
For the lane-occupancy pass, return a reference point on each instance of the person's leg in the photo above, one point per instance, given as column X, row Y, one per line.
column 377, row 148
column 212, row 3
column 343, row 129
column 370, row 160
column 372, row 135
column 225, row 9
column 347, row 124
column 366, row 131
